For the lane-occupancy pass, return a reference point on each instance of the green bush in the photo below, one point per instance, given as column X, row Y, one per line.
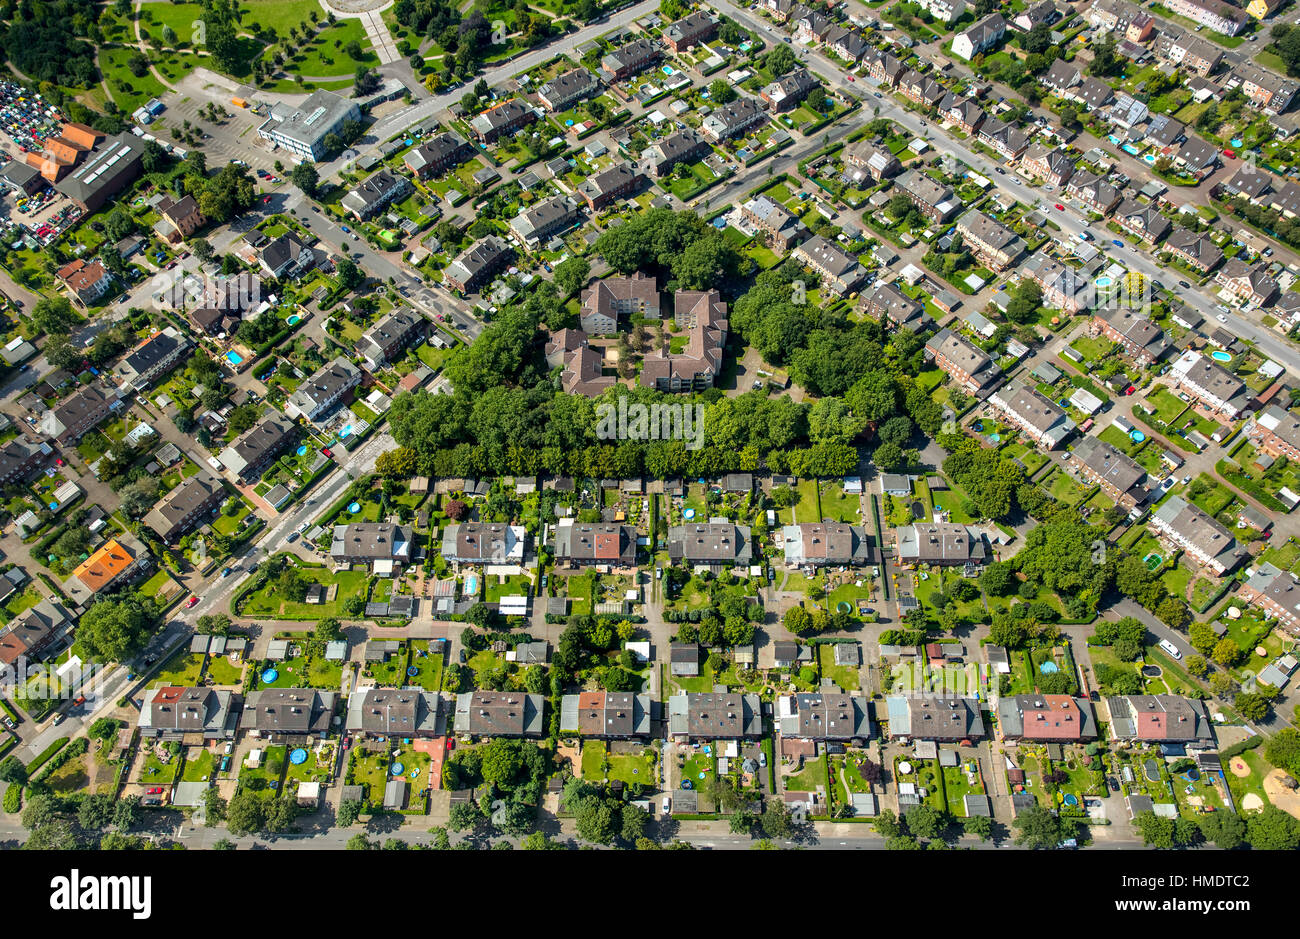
column 41, row 760
column 14, row 800
column 1241, row 747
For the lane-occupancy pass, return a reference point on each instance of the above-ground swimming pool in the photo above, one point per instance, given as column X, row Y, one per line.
column 269, row 675
column 354, row 508
column 1151, row 770
column 1137, row 436
column 1049, row 668
column 345, row 432
column 396, row 769
column 1070, row 799
column 302, row 449
column 1235, row 141
column 234, row 358
column 1220, row 356
column 688, row 514
column 1103, row 281
column 298, row 756
column 995, row 438
column 667, row 70
column 843, row 606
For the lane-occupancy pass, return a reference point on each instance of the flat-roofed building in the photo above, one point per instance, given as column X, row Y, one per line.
column 302, row 130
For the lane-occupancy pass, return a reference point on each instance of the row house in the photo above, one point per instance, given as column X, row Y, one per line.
column 628, row 60
column 1143, row 221
column 323, row 390
column 811, row 26
column 1063, row 288
column 567, row 89
column 921, row 89
column 1275, row 593
column 967, row 365
column 1199, row 157
column 503, row 120
column 1040, row 14
column 153, row 358
column 587, row 544
column 1160, row 719
column 884, row 67
column 185, row 506
column 685, row 146
column 252, row 452
column 373, row 195
column 789, row 90
column 1194, row 249
column 1276, row 432
column 1267, row 90
column 1121, row 477
column 934, row 200
column 838, row 270
column 691, row 30
column 1061, row 77
column 78, row 414
column 996, row 246
column 20, row 459
column 384, row 341
column 1113, row 15
column 733, row 120
column 1188, row 527
column 478, row 263
column 1046, row 718
column 33, row 634
column 1215, row 389
column 545, row 219
column 849, row 44
column 983, row 36
column 608, row 186
column 962, row 112
column 438, row 154
column 1042, row 420
column 1188, row 51
column 1250, row 283
column 1212, row 14
column 1050, row 164
column 1004, row 137
column 864, row 160
column 886, row 301
column 782, row 226
column 614, row 715
column 1139, row 338
column 1093, row 191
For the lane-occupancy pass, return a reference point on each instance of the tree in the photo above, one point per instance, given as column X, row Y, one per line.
column 1226, row 830
column 1037, row 829
column 1156, row 831
column 776, row 821
column 1272, row 830
column 979, row 825
column 1283, row 750
column 348, row 274
column 305, row 177
column 464, row 815
column 596, row 819
column 1226, row 652
column 245, row 814
column 798, row 620
column 349, row 811
column 1253, row 706
column 722, row 92
column 925, row 821
column 367, row 80
column 114, row 628
column 780, row 60
column 13, row 771
column 359, row 842
column 571, row 274
column 54, row 316
column 634, row 820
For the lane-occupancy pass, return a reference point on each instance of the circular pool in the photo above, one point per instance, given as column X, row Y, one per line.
column 1236, row 142
column 396, row 769
column 843, row 606
column 298, row 756
column 995, row 438
column 1137, row 436
column 688, row 514
column 354, row 508
column 294, row 320
column 269, row 675
column 1071, row 799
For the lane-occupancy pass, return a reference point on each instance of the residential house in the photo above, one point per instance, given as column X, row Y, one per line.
column 250, row 454
column 732, row 120
column 1040, row 14
column 545, row 219
column 375, row 193
column 1062, row 286
column 20, row 459
column 983, row 36
column 826, row 543
column 714, row 716
column 690, row 30
column 941, row 544
column 89, row 282
column 1268, row 589
column 782, row 227
column 1143, row 221
column 887, row 301
column 608, row 186
column 839, row 271
column 935, row 201
column 382, row 545
column 612, row 715
column 944, row 719
column 1248, row 282
column 1212, row 14
column 284, row 715
column 970, row 367
column 438, row 154
column 500, row 714
column 484, row 543
column 1050, row 164
column 1159, row 718
column 824, row 716
column 715, row 545
column 195, row 499
column 685, row 146
column 477, row 264
column 323, row 390
column 1140, row 339
column 627, row 60
column 1061, row 77
column 1276, row 432
column 1217, row 390
column 1194, row 249
column 392, row 712
column 964, row 113
column 73, row 417
column 286, row 257
column 1004, row 137
column 924, row 90
column 502, row 120
column 586, row 544
column 1122, row 478
column 945, row 11
column 153, row 358
column 174, row 712
column 1266, row 89
column 567, row 89
column 1046, row 718
column 864, row 160
column 996, row 246
column 179, row 218
column 1201, row 538
column 789, row 90
column 33, row 634
column 1042, row 420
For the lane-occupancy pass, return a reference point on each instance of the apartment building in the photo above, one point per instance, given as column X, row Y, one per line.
column 704, row 317
column 438, row 154
column 182, row 509
column 996, row 246
column 983, row 36
column 1050, row 164
column 1138, row 337
column 1212, row 14
column 685, row 146
column 74, row 416
column 374, row 194
column 384, row 341
column 567, row 89
column 477, row 264
column 250, row 454
column 1216, row 389
column 839, row 271
column 607, row 302
column 608, row 186
column 1276, row 432
column 88, row 282
column 935, row 201
column 630, row 59
column 731, row 120
column 690, row 30
column 502, row 120
column 782, row 227
column 323, row 391
column 1118, row 475
column 153, row 358
column 1194, row 249
column 1043, row 421
column 1250, row 283
column 545, row 219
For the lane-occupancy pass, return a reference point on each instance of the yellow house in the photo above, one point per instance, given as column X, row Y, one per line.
column 1263, row 8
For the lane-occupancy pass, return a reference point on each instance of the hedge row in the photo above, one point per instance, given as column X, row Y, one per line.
column 1240, row 747
column 52, row 749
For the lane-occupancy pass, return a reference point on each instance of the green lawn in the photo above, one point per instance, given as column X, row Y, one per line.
column 200, row 768
column 843, row 675
column 181, row 669
column 429, row 663
column 267, row 602
column 812, row 777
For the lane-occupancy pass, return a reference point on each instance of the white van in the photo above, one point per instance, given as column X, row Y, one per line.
column 1170, row 648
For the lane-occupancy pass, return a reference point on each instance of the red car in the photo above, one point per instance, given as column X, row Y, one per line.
column 265, row 200
column 1059, row 207
column 326, row 451
column 1129, row 390
column 850, row 78
column 190, row 602
column 154, row 790
column 80, row 701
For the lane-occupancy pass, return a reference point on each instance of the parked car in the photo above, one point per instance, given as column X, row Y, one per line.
column 60, row 718
column 462, row 656
column 1170, row 648
column 190, row 602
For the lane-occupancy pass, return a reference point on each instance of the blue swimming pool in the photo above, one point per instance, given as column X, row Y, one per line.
column 1103, row 281
column 1220, row 356
column 471, row 585
column 234, row 358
